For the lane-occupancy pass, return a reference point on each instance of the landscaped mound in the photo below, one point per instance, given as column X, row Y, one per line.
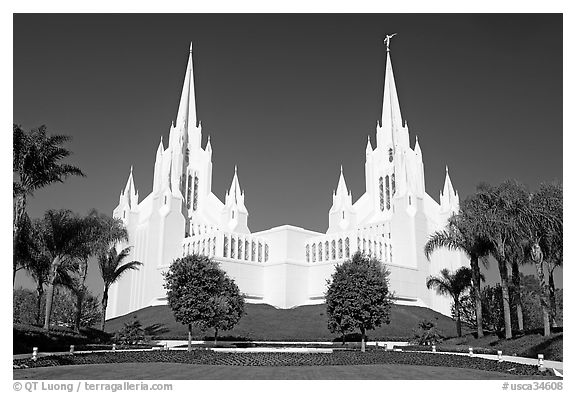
column 206, row 357
column 27, row 337
column 305, row 323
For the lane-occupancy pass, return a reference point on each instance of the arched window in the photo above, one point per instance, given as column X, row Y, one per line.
column 370, row 247
column 189, row 193
column 327, row 250
column 187, row 154
column 240, row 243
column 320, row 252
column 307, row 252
column 380, row 247
column 259, row 252
column 340, row 254
column 225, row 246
column 359, row 248
column 390, row 253
column 209, row 248
column 347, row 247
column 253, row 251
column 364, row 246
column 333, row 249
column 314, row 252
column 246, row 250
column 386, row 251
column 381, row 184
column 390, row 154
column 232, row 247
column 184, row 250
column 204, row 247
column 195, row 202
column 214, row 246
column 387, row 192
column 266, row 252
column 393, row 184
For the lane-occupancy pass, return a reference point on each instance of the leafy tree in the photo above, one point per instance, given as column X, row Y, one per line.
column 64, row 311
column 453, row 285
column 201, row 294
column 460, row 234
column 358, row 295
column 36, row 163
column 23, row 304
column 113, row 266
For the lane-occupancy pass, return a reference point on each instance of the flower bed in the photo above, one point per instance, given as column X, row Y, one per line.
column 207, row 357
column 449, row 348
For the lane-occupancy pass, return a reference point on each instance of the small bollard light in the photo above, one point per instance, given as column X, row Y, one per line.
column 433, row 348
column 71, row 349
column 500, row 356
column 113, row 347
column 34, row 353
column 470, row 352
column 540, row 361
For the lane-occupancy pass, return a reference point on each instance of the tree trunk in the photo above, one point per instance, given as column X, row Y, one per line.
column 50, row 293
column 18, row 212
column 538, row 259
column 215, row 336
column 458, row 321
column 552, row 294
column 40, row 290
column 104, row 305
column 189, row 337
column 78, row 316
column 477, row 294
column 505, row 298
column 363, row 331
column 517, row 295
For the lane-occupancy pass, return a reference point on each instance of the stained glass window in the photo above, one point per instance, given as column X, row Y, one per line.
column 253, row 251
column 314, row 252
column 307, row 252
column 225, row 246
column 333, row 249
column 246, row 250
column 381, row 181
column 340, row 255
column 320, row 251
column 347, row 247
column 393, row 184
column 189, row 192
column 240, row 243
column 195, row 203
column 327, row 250
column 387, row 192
column 266, row 248
column 259, row 252
column 233, row 247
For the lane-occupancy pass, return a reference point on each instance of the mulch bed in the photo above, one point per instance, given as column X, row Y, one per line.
column 206, row 357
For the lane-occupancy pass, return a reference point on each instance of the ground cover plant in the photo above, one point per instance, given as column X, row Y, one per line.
column 205, row 357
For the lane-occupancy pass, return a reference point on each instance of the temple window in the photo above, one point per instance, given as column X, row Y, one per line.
column 307, row 252
column 225, row 246
column 233, row 247
column 333, row 249
column 387, row 192
column 189, row 193
column 195, row 203
column 314, row 252
column 381, row 181
column 390, row 155
column 347, row 247
column 320, row 251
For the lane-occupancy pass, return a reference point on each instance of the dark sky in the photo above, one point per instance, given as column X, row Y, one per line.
column 290, row 97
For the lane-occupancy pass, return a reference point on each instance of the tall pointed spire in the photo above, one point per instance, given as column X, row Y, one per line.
column 187, row 108
column 369, row 146
column 235, row 196
column 448, row 195
column 391, row 115
column 417, row 149
column 341, row 189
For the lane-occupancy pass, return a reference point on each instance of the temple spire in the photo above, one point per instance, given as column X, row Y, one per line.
column 391, row 115
column 187, row 108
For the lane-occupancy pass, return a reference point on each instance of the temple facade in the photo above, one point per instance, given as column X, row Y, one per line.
column 285, row 266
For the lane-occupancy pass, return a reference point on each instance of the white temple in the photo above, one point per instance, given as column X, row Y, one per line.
column 285, row 266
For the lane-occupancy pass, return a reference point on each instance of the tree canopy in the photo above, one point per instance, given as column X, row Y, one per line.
column 358, row 295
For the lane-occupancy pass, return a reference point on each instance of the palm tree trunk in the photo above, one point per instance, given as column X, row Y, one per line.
column 40, row 290
column 477, row 294
column 189, row 337
column 104, row 305
column 505, row 298
column 458, row 321
column 363, row 331
column 50, row 293
column 18, row 212
column 552, row 294
column 517, row 295
column 538, row 259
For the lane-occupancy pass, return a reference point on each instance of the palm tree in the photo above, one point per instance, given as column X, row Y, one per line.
column 35, row 164
column 454, row 285
column 62, row 234
column 459, row 235
column 112, row 267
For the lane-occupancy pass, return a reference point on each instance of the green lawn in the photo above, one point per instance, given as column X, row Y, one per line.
column 264, row 322
column 175, row 371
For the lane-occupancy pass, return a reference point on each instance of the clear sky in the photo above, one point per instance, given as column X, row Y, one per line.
column 290, row 97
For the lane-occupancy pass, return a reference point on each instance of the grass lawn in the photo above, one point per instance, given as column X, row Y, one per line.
column 176, row 371
column 305, row 323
